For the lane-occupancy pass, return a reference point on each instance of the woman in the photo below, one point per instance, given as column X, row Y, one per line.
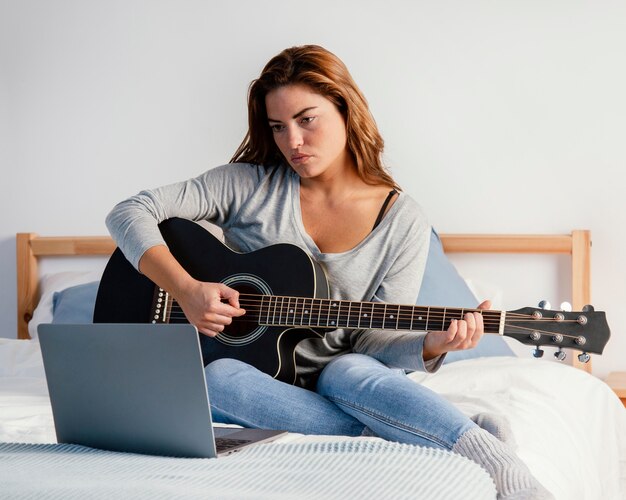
column 309, row 173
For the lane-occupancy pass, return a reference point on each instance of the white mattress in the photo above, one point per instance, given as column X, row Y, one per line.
column 569, row 426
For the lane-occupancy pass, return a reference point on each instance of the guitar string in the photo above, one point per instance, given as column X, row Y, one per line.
column 274, row 304
column 177, row 313
column 344, row 317
column 277, row 303
column 378, row 305
column 260, row 322
column 493, row 317
column 373, row 310
column 259, row 318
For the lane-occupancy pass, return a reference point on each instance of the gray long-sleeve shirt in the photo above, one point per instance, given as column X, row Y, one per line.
column 257, row 206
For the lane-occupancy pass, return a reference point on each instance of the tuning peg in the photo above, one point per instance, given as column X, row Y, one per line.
column 560, row 355
column 544, row 304
column 566, row 307
column 583, row 357
column 538, row 353
column 588, row 308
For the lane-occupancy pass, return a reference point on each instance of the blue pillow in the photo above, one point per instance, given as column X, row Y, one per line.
column 443, row 286
column 75, row 304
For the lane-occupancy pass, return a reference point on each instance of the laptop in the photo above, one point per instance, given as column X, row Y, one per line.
column 137, row 388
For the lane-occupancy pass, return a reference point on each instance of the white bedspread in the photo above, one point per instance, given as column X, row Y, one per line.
column 331, row 470
column 569, row 426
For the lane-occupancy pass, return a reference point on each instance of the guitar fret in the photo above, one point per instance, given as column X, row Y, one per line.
column 261, row 310
column 404, row 317
column 310, row 312
column 427, row 318
column 282, row 311
column 384, row 315
column 278, row 310
column 328, row 314
column 391, row 316
column 279, row 305
column 290, row 310
column 304, row 312
column 398, row 318
column 274, row 313
column 319, row 311
column 297, row 313
column 377, row 319
column 294, row 310
column 443, row 322
column 285, row 316
column 348, row 318
column 338, row 313
column 417, row 321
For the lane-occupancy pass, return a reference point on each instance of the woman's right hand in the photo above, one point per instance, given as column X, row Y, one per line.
column 209, row 306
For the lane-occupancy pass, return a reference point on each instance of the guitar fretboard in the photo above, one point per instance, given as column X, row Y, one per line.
column 326, row 313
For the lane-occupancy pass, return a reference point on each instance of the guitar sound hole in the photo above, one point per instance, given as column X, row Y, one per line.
column 244, row 325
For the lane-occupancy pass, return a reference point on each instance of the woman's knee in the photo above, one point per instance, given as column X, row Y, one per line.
column 351, row 372
column 227, row 371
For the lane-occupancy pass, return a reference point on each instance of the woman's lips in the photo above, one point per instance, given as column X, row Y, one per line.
column 300, row 158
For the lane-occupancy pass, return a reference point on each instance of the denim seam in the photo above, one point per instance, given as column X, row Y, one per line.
column 383, row 419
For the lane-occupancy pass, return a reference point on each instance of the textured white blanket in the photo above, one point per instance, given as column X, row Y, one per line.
column 330, row 470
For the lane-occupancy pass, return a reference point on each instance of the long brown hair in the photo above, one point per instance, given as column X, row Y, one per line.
column 328, row 76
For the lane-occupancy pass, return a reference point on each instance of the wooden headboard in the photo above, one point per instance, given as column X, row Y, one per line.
column 31, row 247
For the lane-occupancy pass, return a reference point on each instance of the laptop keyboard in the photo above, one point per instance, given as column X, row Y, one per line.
column 223, row 444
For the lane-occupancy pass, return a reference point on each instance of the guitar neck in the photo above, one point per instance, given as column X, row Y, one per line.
column 326, row 313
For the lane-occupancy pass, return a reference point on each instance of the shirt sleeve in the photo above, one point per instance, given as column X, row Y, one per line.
column 401, row 284
column 214, row 196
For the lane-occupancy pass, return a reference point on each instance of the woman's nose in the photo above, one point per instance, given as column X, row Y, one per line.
column 295, row 138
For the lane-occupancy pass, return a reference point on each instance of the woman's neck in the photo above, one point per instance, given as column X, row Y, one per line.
column 332, row 186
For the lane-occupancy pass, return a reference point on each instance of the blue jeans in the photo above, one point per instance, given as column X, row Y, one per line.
column 356, row 395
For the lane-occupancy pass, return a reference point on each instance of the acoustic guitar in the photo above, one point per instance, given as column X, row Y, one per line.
column 286, row 297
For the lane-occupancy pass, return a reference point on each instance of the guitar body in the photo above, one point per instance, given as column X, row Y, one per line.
column 126, row 296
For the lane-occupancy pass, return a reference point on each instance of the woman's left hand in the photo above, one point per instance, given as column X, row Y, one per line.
column 461, row 334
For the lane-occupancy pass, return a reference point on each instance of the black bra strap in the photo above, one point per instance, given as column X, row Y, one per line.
column 391, row 194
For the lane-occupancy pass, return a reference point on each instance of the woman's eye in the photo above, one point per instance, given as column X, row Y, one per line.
column 277, row 128
column 307, row 119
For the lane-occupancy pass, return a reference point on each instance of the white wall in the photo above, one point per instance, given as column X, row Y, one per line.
column 498, row 116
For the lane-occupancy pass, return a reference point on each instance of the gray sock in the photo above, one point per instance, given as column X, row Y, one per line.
column 513, row 479
column 497, row 425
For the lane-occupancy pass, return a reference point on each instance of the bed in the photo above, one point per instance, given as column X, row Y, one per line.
column 567, row 425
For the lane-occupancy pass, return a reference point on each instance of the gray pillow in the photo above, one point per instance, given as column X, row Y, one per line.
column 443, row 286
column 75, row 304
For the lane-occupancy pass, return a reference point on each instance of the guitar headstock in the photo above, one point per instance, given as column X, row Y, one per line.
column 585, row 330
